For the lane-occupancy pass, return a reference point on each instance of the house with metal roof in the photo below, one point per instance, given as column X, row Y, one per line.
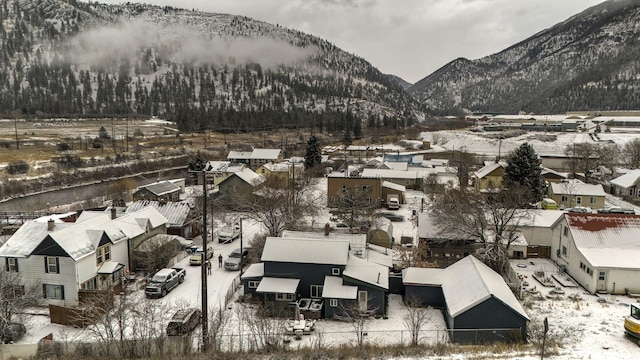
column 478, row 305
column 409, row 178
column 600, row 251
column 181, row 216
column 158, row 191
column 294, row 270
column 242, row 182
column 254, row 158
column 89, row 254
column 220, row 170
column 573, row 192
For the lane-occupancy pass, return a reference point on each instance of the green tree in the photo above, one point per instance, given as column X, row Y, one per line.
column 312, row 157
column 524, row 169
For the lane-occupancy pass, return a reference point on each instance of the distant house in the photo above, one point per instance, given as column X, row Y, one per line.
column 489, row 177
column 539, row 230
column 281, row 172
column 442, row 249
column 159, row 191
column 180, row 216
column 254, row 158
column 479, row 306
column 627, row 185
column 408, row 178
column 90, row 254
column 242, row 182
column 337, row 183
column 574, row 192
column 550, row 175
column 220, row 170
column 600, row 251
column 297, row 268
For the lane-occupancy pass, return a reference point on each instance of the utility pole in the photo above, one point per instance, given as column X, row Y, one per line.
column 15, row 122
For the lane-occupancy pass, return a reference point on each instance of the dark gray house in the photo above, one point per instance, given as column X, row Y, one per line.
column 296, row 270
column 159, row 191
column 479, row 307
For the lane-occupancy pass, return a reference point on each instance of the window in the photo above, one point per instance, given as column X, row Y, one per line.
column 51, row 265
column 366, row 188
column 564, row 198
column 344, row 188
column 53, row 291
column 90, row 284
column 631, row 192
column 316, row 291
column 335, row 271
column 564, row 250
column 578, row 200
column 333, row 302
column 252, row 284
column 601, row 275
column 17, row 290
column 592, row 200
column 284, row 297
column 103, row 254
column 11, row 264
column 566, row 231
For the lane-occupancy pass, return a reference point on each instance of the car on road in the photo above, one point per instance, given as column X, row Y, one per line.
column 196, row 257
column 580, row 209
column 616, row 210
column 391, row 216
column 237, row 259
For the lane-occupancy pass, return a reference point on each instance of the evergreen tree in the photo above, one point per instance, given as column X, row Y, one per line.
column 524, row 169
column 312, row 157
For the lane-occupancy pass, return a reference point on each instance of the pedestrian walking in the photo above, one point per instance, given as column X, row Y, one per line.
column 220, row 260
column 209, row 267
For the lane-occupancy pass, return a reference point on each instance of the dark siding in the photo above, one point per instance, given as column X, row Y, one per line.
column 376, row 297
column 425, row 295
column 49, row 247
column 247, row 289
column 330, row 311
column 395, row 283
column 490, row 314
column 309, row 274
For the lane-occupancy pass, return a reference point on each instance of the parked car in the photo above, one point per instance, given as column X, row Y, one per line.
column 580, row 209
column 196, row 257
column 229, row 233
column 184, row 321
column 391, row 216
column 549, row 204
column 237, row 259
column 164, row 281
column 616, row 210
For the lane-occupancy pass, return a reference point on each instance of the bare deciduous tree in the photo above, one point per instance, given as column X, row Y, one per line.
column 14, row 299
column 631, row 154
column 354, row 207
column 358, row 317
column 492, row 219
column 414, row 318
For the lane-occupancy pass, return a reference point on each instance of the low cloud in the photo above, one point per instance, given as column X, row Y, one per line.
column 129, row 40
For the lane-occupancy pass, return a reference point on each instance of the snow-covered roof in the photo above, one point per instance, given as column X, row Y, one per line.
column 57, row 218
column 367, row 271
column 424, row 276
column 487, row 169
column 296, row 250
column 250, row 177
column 239, row 155
column 389, row 174
column 334, row 289
column 278, row 167
column 379, row 255
column 161, row 188
column 471, row 282
column 427, row 228
column 176, row 213
column 627, row 180
column 81, row 238
column 265, row 154
column 109, row 267
column 357, row 242
column 579, row 189
column 217, row 166
column 546, row 170
column 394, row 186
column 278, row 285
column 400, row 166
column 540, row 218
column 607, row 240
column 254, row 271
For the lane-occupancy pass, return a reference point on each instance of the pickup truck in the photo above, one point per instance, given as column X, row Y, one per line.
column 228, row 233
column 164, row 281
column 237, row 259
column 393, row 202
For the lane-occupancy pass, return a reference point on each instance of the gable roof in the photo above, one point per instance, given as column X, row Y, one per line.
column 294, row 250
column 472, row 282
column 577, row 189
column 265, row 154
column 627, row 180
column 367, row 272
column 248, row 176
column 487, row 169
column 606, row 240
column 239, row 155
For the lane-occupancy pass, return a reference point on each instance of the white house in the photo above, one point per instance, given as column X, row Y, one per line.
column 89, row 254
column 600, row 251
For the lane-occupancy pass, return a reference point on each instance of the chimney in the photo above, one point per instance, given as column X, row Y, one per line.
column 326, row 229
column 50, row 225
column 113, row 212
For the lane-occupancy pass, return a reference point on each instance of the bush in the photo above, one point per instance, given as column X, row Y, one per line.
column 18, row 167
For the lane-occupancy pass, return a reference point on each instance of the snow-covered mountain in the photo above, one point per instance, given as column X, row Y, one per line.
column 588, row 62
column 202, row 70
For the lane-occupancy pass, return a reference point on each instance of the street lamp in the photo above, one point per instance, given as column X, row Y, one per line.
column 198, row 167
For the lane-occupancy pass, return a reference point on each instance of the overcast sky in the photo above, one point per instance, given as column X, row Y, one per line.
column 408, row 38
